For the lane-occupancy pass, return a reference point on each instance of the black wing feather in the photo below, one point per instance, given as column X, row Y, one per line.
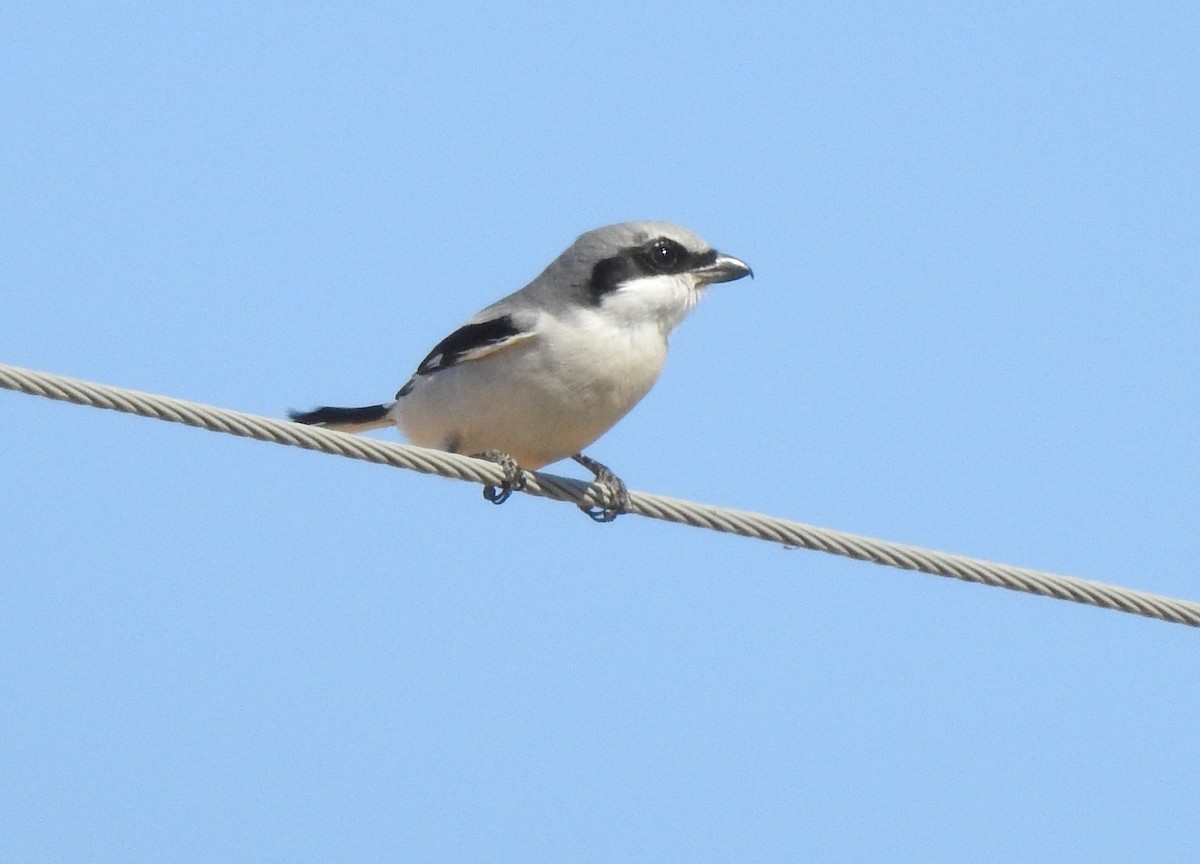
column 465, row 340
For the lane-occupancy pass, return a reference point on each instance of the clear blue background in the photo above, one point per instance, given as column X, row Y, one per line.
column 976, row 231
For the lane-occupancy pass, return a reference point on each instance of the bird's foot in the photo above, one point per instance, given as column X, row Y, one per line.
column 616, row 495
column 514, row 478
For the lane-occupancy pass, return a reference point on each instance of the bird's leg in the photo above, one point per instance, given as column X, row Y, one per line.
column 616, row 496
column 513, row 476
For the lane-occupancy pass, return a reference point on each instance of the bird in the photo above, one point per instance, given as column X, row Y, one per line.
column 541, row 374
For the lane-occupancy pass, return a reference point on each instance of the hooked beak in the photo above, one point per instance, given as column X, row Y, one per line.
column 724, row 268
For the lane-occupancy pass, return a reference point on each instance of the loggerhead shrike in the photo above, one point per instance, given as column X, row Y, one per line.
column 540, row 375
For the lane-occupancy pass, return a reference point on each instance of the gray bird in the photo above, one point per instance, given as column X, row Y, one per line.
column 540, row 375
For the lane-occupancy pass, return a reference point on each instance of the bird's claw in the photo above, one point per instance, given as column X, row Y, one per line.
column 497, row 494
column 514, row 478
column 615, row 493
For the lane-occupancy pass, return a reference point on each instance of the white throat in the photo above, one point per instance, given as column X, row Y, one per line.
column 664, row 300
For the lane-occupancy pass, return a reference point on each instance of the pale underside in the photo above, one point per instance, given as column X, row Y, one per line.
column 576, row 379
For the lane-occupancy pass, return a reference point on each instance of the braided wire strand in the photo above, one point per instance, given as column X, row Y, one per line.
column 741, row 522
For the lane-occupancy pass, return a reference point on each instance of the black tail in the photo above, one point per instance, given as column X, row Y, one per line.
column 346, row 419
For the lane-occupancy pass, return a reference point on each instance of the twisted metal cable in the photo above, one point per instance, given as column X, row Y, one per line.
column 745, row 523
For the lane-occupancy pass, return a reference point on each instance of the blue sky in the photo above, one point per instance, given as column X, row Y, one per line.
column 975, row 327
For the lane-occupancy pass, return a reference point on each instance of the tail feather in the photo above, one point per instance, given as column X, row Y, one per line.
column 345, row 419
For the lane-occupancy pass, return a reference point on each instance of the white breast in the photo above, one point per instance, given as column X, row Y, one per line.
column 543, row 399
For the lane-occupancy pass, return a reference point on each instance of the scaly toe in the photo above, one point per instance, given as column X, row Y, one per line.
column 514, row 478
column 615, row 493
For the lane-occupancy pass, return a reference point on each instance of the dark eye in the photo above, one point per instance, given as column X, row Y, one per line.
column 666, row 255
